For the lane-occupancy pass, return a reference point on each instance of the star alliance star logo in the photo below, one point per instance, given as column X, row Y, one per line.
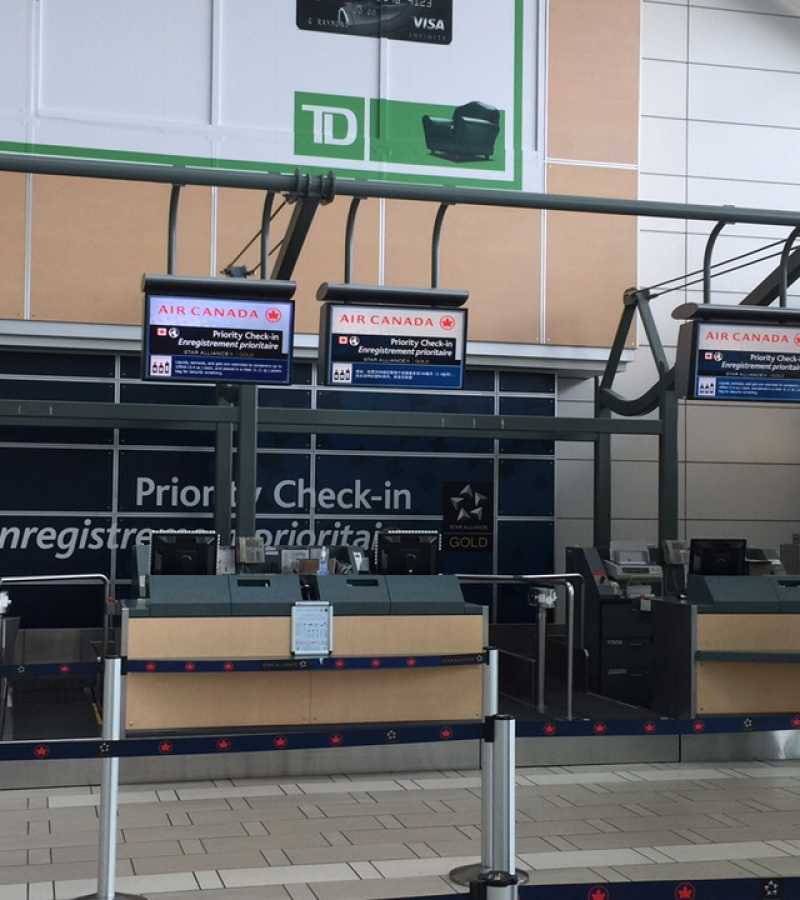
column 470, row 506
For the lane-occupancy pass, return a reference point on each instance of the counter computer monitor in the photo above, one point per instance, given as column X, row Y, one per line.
column 183, row 553
column 717, row 557
column 407, row 552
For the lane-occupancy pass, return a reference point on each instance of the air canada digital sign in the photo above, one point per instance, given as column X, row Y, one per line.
column 218, row 339
column 392, row 347
column 742, row 361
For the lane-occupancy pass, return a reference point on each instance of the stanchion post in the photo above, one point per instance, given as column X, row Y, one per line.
column 466, row 875
column 109, row 785
column 491, row 691
column 504, row 844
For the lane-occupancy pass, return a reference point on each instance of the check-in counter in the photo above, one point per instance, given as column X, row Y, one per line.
column 732, row 647
column 249, row 617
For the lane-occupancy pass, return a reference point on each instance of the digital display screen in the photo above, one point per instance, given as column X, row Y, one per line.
column 422, row 21
column 745, row 361
column 392, row 347
column 217, row 339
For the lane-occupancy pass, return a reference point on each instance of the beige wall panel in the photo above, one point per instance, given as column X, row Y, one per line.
column 412, row 635
column 591, row 259
column 742, row 491
column 92, row 240
column 492, row 252
column 322, row 258
column 218, row 701
column 212, row 638
column 12, row 245
column 593, row 80
column 747, row 687
column 397, row 696
column 765, row 633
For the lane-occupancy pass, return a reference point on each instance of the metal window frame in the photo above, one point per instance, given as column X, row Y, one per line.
column 307, row 192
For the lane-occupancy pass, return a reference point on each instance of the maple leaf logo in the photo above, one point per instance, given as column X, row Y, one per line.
column 448, row 323
column 274, row 315
column 685, row 892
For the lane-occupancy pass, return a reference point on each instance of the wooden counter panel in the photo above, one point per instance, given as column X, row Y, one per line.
column 397, row 695
column 211, row 638
column 240, row 638
column 762, row 632
column 407, row 635
column 169, row 702
column 733, row 688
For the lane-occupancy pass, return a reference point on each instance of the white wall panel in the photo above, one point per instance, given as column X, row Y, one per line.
column 747, row 40
column 158, row 67
column 666, row 189
column 664, row 31
column 754, row 194
column 758, row 534
column 748, row 96
column 745, row 492
column 15, row 20
column 663, row 146
column 575, row 489
column 743, row 432
column 634, row 489
column 768, row 7
column 663, row 88
column 751, row 152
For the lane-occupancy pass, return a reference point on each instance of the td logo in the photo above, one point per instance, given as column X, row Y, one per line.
column 329, row 125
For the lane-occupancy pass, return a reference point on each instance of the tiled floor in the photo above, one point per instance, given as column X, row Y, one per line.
column 400, row 835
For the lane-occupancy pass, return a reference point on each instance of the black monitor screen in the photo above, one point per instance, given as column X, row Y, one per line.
column 717, row 557
column 183, row 554
column 407, row 552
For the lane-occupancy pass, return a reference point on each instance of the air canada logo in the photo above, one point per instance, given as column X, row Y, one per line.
column 274, row 315
column 468, row 514
column 448, row 323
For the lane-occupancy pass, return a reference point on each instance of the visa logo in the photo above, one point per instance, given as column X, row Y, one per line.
column 429, row 24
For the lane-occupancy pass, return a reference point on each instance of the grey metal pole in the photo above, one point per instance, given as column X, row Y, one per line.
column 466, row 875
column 570, row 645
column 109, row 786
column 504, row 850
column 170, row 174
column 540, row 662
column 247, row 461
column 490, row 707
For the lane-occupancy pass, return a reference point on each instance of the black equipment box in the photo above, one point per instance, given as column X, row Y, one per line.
column 421, row 595
column 189, row 595
column 355, row 595
column 264, row 595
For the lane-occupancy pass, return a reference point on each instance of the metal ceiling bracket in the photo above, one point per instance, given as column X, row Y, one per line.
column 783, row 283
column 436, row 243
column 348, row 239
column 172, row 232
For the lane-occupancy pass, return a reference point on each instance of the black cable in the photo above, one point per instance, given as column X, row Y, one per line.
column 723, row 262
column 257, row 266
column 680, row 287
column 252, row 241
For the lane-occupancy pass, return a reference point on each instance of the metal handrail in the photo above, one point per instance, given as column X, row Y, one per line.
column 573, row 582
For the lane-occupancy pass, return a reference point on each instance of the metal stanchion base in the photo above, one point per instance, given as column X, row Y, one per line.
column 465, row 875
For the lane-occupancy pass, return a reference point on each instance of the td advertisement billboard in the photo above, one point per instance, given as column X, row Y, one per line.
column 411, row 90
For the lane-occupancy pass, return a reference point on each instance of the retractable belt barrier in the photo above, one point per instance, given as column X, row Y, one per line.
column 708, row 889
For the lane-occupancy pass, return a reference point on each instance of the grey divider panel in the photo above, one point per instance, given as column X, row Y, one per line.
column 419, row 595
column 364, row 595
column 264, row 595
column 189, row 595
